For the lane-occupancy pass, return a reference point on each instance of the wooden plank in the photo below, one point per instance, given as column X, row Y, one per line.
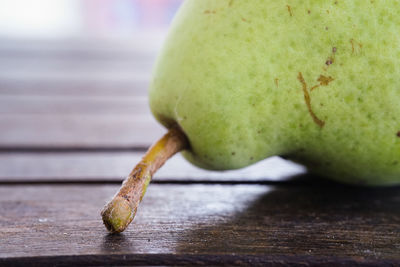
column 76, row 130
column 143, row 45
column 60, row 105
column 70, row 74
column 129, row 88
column 203, row 224
column 77, row 60
column 64, row 72
column 72, row 117
column 20, row 68
column 132, row 62
column 108, row 167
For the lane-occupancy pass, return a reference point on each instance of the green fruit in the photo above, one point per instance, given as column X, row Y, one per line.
column 315, row 81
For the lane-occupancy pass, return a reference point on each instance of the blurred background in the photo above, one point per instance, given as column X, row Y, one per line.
column 75, row 73
column 74, row 76
column 47, row 19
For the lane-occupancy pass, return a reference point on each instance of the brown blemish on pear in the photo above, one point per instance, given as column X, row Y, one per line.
column 331, row 59
column 329, row 62
column 210, row 12
column 307, row 99
column 355, row 46
column 323, row 81
column 289, row 10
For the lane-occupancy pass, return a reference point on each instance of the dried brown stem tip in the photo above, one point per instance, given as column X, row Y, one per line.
column 119, row 212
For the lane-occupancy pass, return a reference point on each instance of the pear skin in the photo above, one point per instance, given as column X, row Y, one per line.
column 314, row 81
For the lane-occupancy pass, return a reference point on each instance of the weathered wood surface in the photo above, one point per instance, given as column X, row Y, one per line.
column 100, row 105
column 203, row 224
column 76, row 112
column 76, row 94
column 124, row 88
column 67, row 61
column 78, row 131
column 113, row 167
column 143, row 46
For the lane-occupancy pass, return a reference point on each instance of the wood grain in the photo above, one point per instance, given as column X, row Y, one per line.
column 68, row 109
column 60, row 94
column 93, row 105
column 138, row 63
column 128, row 88
column 77, row 60
column 62, row 75
column 145, row 45
column 203, row 224
column 108, row 167
column 78, row 130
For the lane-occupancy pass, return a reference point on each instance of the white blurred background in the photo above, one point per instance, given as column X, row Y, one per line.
column 82, row 39
column 50, row 19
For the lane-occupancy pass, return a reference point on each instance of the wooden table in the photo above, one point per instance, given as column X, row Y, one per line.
column 73, row 122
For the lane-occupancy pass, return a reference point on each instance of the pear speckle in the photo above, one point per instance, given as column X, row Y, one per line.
column 355, row 46
column 210, row 12
column 276, row 80
column 324, row 80
column 289, row 10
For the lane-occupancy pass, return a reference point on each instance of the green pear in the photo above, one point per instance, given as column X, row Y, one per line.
column 314, row 81
column 240, row 81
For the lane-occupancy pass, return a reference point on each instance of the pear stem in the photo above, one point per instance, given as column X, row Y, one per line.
column 121, row 210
